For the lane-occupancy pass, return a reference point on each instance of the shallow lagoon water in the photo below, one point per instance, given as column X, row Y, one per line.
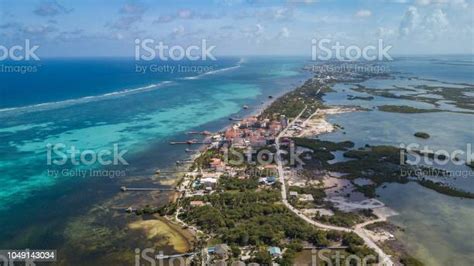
column 437, row 228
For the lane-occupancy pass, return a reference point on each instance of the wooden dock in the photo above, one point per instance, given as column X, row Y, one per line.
column 184, row 161
column 189, row 142
column 126, row 189
column 161, row 256
column 159, row 172
column 204, row 133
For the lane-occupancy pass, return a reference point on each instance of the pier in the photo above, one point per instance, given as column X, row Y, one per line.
column 189, row 142
column 161, row 256
column 159, row 172
column 184, row 161
column 204, row 133
column 125, row 189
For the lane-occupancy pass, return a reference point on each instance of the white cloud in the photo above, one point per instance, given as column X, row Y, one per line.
column 423, row 2
column 284, row 33
column 453, row 3
column 409, row 21
column 185, row 14
column 385, row 33
column 259, row 30
column 283, row 14
column 177, row 31
column 435, row 23
column 363, row 13
column 255, row 33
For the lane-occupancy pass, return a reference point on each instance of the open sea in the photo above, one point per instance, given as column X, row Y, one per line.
column 100, row 104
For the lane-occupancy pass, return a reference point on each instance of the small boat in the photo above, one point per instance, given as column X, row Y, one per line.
column 245, row 107
column 270, row 97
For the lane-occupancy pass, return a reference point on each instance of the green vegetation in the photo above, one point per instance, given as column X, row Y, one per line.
column 378, row 163
column 367, row 98
column 455, row 95
column 430, row 155
column 205, row 158
column 316, row 144
column 355, row 245
column 231, row 183
column 367, row 190
column 410, row 261
column 341, row 218
column 405, row 109
column 242, row 214
column 262, row 257
column 422, row 135
column 249, row 218
column 444, row 189
column 317, row 193
column 470, row 164
column 292, row 103
column 322, row 149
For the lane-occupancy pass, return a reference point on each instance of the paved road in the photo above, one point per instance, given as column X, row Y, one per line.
column 384, row 258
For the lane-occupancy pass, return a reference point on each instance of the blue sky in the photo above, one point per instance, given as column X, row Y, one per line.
column 237, row 27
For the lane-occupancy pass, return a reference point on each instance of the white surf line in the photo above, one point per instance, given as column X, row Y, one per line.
column 85, row 99
column 239, row 64
column 384, row 258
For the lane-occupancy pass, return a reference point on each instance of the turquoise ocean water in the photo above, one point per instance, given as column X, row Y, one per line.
column 93, row 105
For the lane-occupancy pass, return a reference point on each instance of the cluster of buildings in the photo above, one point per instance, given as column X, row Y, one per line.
column 218, row 254
column 301, row 197
column 252, row 132
column 249, row 133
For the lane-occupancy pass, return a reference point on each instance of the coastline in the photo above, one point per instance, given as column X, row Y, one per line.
column 379, row 235
column 175, row 195
column 314, row 132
